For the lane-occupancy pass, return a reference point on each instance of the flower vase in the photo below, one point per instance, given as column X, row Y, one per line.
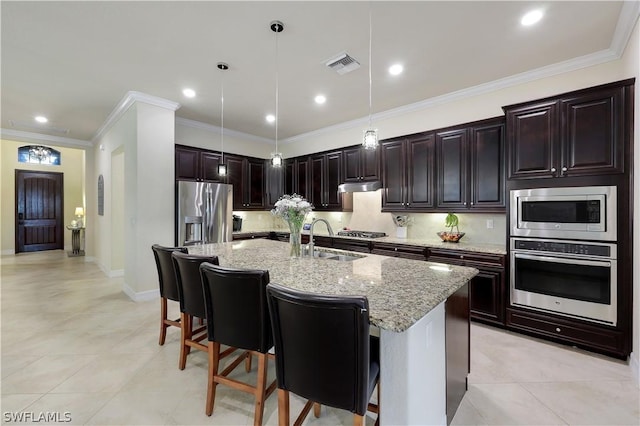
column 294, row 240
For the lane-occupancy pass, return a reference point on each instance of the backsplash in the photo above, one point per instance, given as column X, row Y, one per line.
column 366, row 216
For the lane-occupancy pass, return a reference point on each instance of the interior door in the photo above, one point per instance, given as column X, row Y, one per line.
column 39, row 212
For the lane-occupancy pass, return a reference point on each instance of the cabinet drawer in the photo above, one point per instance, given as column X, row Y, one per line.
column 567, row 331
column 467, row 258
column 352, row 245
column 398, row 250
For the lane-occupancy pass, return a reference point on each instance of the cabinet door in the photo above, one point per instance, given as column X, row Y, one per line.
column 393, row 167
column 209, row 162
column 485, row 296
column 352, row 166
column 487, row 180
column 317, row 181
column 302, row 178
column 451, row 154
column 333, row 179
column 370, row 164
column 593, row 133
column 420, row 172
column 290, row 168
column 275, row 183
column 235, row 177
column 187, row 163
column 255, row 183
column 532, row 140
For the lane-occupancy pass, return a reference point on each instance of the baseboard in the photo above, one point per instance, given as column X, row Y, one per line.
column 142, row 296
column 635, row 367
column 116, row 273
column 7, row 252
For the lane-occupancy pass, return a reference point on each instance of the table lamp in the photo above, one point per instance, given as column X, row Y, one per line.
column 79, row 215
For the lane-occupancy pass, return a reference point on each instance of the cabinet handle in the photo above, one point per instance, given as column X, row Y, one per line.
column 564, row 169
column 553, row 170
column 461, row 256
column 558, row 329
column 408, row 204
column 464, row 204
column 395, row 249
column 472, row 203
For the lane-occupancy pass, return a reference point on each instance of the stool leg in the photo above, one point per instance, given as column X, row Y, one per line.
column 185, row 333
column 316, row 409
column 358, row 420
column 261, row 387
column 283, row 407
column 214, row 363
column 247, row 363
column 163, row 317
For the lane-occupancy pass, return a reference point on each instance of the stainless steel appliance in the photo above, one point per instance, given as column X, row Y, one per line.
column 361, row 234
column 571, row 278
column 203, row 213
column 585, row 213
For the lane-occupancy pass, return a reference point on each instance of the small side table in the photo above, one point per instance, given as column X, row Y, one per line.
column 77, row 241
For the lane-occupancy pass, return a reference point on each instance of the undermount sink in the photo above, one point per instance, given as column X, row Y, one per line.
column 335, row 256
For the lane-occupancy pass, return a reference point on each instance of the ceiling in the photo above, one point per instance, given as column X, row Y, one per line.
column 75, row 61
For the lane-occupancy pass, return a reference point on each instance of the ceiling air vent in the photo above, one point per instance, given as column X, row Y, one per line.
column 343, row 64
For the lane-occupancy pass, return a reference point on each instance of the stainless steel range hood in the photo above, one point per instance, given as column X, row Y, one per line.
column 360, row 186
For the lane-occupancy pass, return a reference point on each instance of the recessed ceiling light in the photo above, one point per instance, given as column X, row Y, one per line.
column 41, row 119
column 320, row 99
column 271, row 118
column 531, row 18
column 189, row 93
column 396, row 69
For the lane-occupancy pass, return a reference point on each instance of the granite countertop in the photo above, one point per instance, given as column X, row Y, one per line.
column 421, row 242
column 400, row 291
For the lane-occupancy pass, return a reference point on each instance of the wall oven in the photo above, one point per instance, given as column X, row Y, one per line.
column 584, row 213
column 570, row 278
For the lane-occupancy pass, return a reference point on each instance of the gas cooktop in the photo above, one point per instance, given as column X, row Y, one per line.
column 362, row 234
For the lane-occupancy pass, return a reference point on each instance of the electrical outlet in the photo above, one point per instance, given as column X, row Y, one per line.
column 489, row 223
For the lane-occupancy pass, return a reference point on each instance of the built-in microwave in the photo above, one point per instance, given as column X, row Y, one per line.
column 583, row 213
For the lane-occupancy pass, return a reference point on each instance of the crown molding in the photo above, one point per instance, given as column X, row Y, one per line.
column 129, row 99
column 629, row 15
column 216, row 129
column 40, row 138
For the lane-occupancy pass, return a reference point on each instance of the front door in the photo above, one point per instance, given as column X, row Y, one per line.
column 39, row 213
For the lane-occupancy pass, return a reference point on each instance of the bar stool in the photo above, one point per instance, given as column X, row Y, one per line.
column 237, row 316
column 324, row 352
column 168, row 286
column 191, row 302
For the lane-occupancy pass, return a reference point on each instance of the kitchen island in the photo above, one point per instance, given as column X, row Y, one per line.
column 406, row 302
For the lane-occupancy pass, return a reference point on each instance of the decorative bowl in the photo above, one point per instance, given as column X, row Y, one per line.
column 450, row 237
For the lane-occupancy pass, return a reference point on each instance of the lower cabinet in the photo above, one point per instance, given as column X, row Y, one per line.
column 487, row 289
column 594, row 337
column 398, row 250
column 457, row 348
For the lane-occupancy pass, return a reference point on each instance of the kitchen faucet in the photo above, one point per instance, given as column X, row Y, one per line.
column 311, row 233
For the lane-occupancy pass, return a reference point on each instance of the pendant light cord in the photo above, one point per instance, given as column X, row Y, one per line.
column 222, row 116
column 370, row 81
column 277, row 91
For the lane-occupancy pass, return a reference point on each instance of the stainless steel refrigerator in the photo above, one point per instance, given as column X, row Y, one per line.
column 203, row 213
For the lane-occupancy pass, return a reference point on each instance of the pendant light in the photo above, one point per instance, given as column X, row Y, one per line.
column 222, row 167
column 276, row 157
column 370, row 140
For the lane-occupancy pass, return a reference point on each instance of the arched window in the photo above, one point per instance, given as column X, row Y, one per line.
column 38, row 154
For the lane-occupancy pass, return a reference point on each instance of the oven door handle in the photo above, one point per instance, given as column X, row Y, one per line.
column 564, row 260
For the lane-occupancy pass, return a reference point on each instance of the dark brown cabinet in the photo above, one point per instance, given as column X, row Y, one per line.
column 407, row 173
column 247, row 175
column 274, row 184
column 487, row 289
column 197, row 165
column 399, row 250
column 361, row 165
column 296, row 176
column 326, row 175
column 470, row 167
column 576, row 134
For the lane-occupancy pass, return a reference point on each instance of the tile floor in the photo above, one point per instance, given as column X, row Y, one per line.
column 72, row 342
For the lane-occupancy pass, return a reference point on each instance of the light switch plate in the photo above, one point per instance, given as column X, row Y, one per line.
column 489, row 223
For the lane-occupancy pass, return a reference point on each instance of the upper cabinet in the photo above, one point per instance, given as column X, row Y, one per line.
column 360, row 164
column 296, row 176
column 247, row 175
column 470, row 167
column 274, row 183
column 407, row 172
column 576, row 134
column 197, row 164
column 326, row 175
